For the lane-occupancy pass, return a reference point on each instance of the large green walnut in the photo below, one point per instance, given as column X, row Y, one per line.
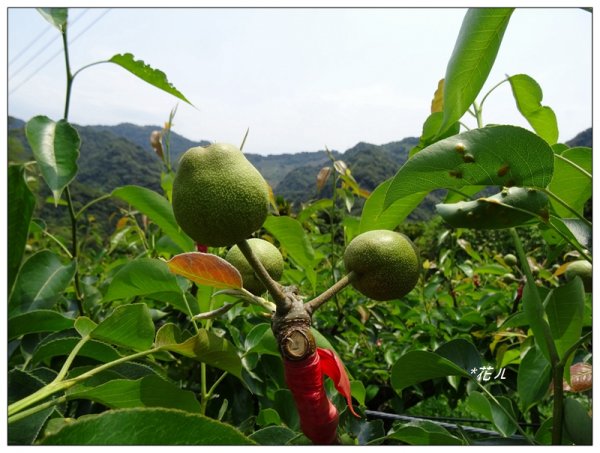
column 386, row 263
column 219, row 198
column 267, row 254
column 583, row 269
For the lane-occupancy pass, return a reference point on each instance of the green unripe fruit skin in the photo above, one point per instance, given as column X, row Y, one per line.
column 386, row 263
column 267, row 254
column 219, row 198
column 510, row 259
column 582, row 269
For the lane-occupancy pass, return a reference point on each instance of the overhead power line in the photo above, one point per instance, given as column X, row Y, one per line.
column 71, row 41
column 32, row 58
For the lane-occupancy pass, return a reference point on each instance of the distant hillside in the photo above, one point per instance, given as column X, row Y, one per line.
column 113, row 156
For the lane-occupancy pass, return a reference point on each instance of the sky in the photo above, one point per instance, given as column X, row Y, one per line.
column 298, row 79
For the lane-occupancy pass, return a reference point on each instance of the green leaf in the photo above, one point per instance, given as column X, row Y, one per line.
column 148, row 74
column 424, row 433
column 142, row 277
column 129, row 326
column 283, row 403
column 153, row 426
column 569, row 183
column 533, row 378
column 536, row 318
column 429, row 135
column 374, row 217
column 55, row 147
column 261, row 340
column 294, row 240
column 38, row 321
column 577, row 422
column 575, row 231
column 564, row 309
column 84, row 325
column 512, row 207
column 57, row 17
column 268, row 417
column 19, row 385
column 205, row 347
column 491, row 412
column 41, row 281
column 158, row 210
column 20, row 208
column 149, row 391
column 273, row 435
column 418, row 366
column 472, row 59
column 63, row 347
column 494, row 155
column 528, row 95
column 461, row 352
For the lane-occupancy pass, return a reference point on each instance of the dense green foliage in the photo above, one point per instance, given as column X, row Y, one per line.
column 119, row 335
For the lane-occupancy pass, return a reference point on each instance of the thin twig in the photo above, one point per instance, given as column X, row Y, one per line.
column 314, row 304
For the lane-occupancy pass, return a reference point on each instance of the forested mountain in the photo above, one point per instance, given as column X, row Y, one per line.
column 113, row 156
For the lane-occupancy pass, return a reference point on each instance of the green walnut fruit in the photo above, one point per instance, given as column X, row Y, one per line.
column 582, row 269
column 219, row 198
column 386, row 263
column 267, row 254
column 510, row 259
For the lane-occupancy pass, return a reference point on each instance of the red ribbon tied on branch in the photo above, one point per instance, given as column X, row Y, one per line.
column 318, row 416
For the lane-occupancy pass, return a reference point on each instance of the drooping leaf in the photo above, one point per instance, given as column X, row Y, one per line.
column 41, row 281
column 205, row 347
column 494, row 155
column 528, row 96
column 472, row 59
column 129, row 326
column 418, row 366
column 149, row 391
column 206, row 269
column 533, row 378
column 141, row 277
column 57, row 17
column 148, row 74
column 512, row 207
column 569, row 182
column 38, row 321
column 20, row 208
column 153, row 426
column 55, row 147
column 158, row 210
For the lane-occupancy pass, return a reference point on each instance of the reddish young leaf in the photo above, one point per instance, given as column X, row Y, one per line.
column 206, row 269
column 332, row 366
column 581, row 378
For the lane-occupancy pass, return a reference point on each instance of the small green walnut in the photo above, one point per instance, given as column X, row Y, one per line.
column 386, row 264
